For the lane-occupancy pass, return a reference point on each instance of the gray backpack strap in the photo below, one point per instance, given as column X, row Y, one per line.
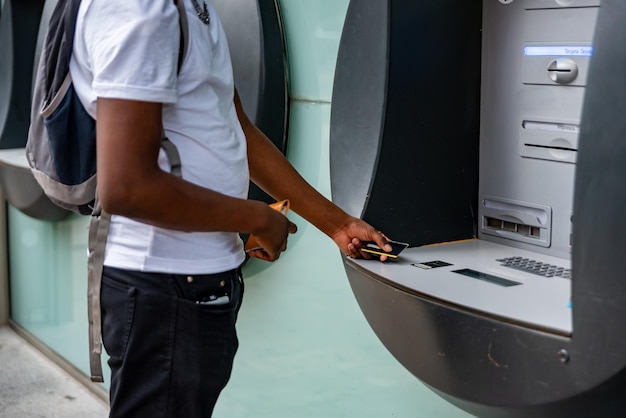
column 173, row 156
column 98, row 232
column 184, row 32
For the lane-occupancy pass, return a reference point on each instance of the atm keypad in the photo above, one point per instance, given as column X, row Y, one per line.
column 536, row 267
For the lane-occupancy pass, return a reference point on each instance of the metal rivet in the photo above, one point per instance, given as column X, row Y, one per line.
column 563, row 356
column 189, row 279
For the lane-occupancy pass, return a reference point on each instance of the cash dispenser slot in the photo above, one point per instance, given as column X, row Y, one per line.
column 519, row 221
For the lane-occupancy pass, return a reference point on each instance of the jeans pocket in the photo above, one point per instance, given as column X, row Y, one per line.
column 118, row 307
column 219, row 293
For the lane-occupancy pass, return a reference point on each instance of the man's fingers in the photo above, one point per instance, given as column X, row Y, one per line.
column 382, row 241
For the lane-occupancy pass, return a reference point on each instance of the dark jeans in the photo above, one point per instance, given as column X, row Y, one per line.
column 171, row 340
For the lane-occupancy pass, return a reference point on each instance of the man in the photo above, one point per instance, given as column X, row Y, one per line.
column 172, row 287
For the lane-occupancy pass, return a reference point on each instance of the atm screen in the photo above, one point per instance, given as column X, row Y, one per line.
column 559, row 50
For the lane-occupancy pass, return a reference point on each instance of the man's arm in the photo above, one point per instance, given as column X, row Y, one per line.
column 131, row 184
column 273, row 173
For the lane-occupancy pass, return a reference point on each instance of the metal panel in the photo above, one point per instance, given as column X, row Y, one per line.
column 18, row 27
column 21, row 35
column 257, row 47
column 358, row 108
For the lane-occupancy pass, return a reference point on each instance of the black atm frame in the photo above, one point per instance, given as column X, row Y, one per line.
column 422, row 191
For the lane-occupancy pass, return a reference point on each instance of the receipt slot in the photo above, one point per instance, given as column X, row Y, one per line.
column 489, row 135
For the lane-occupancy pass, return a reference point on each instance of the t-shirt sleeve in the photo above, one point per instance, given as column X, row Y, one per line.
column 133, row 49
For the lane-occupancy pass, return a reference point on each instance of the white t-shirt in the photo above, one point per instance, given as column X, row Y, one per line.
column 129, row 50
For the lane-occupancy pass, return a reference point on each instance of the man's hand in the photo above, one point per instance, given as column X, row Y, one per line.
column 273, row 173
column 272, row 238
column 354, row 233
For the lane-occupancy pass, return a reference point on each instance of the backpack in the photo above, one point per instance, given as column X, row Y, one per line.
column 61, row 150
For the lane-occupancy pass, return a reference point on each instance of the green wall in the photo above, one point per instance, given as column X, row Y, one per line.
column 306, row 349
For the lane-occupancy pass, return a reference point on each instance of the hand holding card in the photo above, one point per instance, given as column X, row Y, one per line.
column 372, row 248
column 283, row 207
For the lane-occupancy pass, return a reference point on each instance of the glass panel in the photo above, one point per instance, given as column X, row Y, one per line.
column 312, row 31
column 48, row 282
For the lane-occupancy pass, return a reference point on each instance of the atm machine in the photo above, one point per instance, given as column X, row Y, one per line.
column 489, row 136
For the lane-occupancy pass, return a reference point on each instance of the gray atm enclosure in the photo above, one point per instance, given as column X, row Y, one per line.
column 19, row 27
column 255, row 33
column 477, row 130
column 257, row 46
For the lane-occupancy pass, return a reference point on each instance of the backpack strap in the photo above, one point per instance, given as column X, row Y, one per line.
column 184, row 32
column 172, row 155
column 99, row 231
